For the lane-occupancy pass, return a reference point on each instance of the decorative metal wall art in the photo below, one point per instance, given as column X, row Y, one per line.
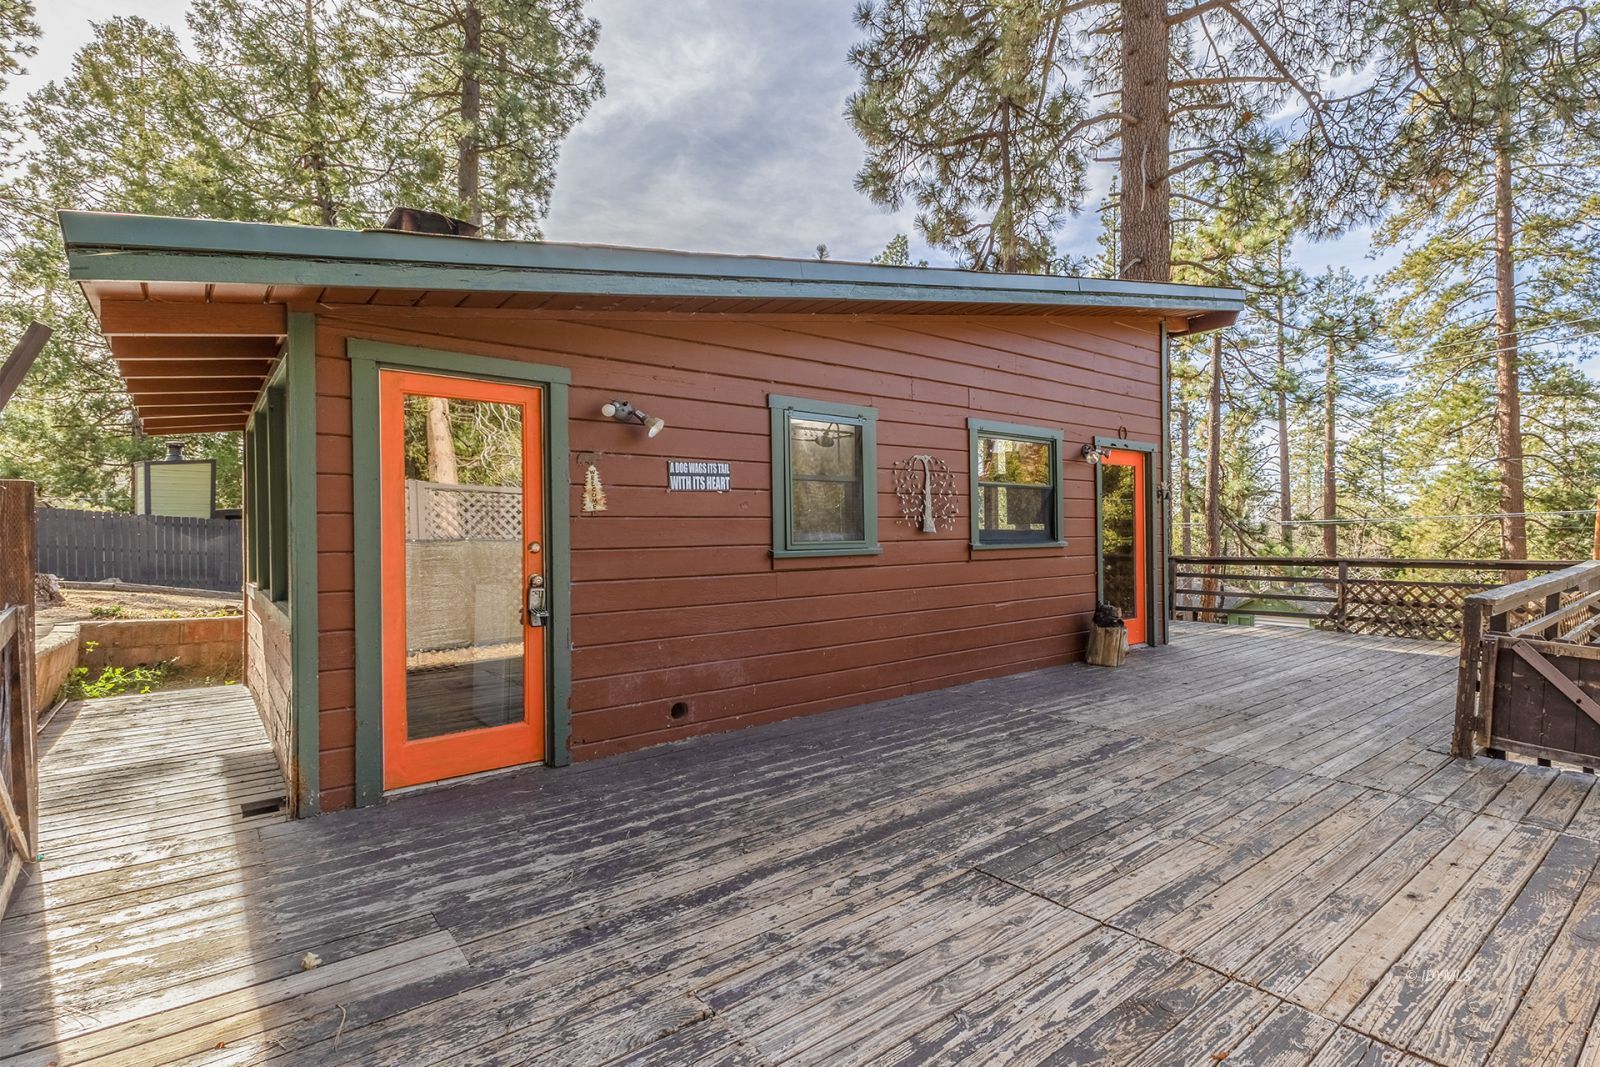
column 927, row 493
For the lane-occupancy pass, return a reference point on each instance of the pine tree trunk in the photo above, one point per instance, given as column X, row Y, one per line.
column 1285, row 503
column 442, row 465
column 467, row 148
column 1212, row 585
column 1007, row 218
column 1146, row 206
column 1507, row 391
column 1185, row 512
column 317, row 151
column 1330, row 456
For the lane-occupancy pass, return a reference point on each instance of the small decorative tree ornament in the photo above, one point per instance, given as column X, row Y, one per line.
column 927, row 493
column 594, row 494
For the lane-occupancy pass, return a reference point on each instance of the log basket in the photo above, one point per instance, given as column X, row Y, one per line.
column 1108, row 637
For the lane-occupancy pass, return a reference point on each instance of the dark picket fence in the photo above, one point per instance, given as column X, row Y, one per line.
column 96, row 546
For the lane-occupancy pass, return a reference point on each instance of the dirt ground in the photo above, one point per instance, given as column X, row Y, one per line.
column 112, row 602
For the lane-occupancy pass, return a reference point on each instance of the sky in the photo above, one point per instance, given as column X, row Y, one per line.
column 722, row 129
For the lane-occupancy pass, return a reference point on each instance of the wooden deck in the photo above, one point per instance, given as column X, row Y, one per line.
column 1249, row 847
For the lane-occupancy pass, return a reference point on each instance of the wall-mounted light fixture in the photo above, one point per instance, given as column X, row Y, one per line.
column 623, row 411
column 1094, row 453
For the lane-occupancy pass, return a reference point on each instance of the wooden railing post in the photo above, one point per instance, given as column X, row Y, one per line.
column 1211, row 599
column 1463, row 740
column 1341, row 604
column 19, row 767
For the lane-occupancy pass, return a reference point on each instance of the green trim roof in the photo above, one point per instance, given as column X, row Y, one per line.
column 143, row 248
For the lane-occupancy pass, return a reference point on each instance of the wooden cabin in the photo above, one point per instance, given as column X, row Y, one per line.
column 522, row 502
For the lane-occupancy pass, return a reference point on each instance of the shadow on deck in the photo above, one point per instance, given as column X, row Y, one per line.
column 1250, row 843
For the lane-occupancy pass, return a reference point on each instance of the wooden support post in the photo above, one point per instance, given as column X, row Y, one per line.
column 19, row 777
column 16, row 365
column 1596, row 554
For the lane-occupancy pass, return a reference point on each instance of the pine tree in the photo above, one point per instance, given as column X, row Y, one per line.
column 289, row 104
column 113, row 135
column 489, row 89
column 289, row 111
column 1188, row 409
column 965, row 113
column 19, row 35
column 983, row 114
column 1492, row 115
column 1240, row 243
column 897, row 253
column 1339, row 324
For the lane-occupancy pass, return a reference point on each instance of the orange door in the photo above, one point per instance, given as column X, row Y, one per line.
column 464, row 583
column 1124, row 539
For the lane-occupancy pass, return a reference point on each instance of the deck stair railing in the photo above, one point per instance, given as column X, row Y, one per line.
column 1413, row 598
column 18, row 751
column 1529, row 670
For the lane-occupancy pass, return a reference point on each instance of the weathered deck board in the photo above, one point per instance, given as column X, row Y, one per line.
column 1251, row 845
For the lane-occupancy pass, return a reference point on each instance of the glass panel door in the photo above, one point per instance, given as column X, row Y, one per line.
column 1124, row 541
column 462, row 562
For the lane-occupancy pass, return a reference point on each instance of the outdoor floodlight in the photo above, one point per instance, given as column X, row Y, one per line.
column 623, row 411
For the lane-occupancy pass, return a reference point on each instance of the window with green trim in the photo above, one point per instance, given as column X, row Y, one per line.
column 1016, row 485
column 824, row 478
column 267, row 497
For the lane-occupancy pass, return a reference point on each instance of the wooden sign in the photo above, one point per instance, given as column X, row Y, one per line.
column 698, row 476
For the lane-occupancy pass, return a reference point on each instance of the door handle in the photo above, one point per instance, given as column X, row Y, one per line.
column 537, row 601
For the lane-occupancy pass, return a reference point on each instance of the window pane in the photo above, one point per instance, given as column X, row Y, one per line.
column 1117, row 509
column 820, row 449
column 463, row 565
column 1005, row 459
column 826, row 511
column 1014, row 513
column 825, row 483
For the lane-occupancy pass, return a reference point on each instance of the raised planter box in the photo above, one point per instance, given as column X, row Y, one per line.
column 212, row 646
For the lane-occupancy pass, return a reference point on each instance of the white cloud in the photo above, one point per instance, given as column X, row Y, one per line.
column 723, row 129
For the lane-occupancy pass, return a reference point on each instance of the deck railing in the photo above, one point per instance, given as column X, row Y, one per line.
column 1529, row 677
column 18, row 754
column 1415, row 598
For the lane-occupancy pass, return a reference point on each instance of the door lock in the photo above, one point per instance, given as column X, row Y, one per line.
column 538, row 601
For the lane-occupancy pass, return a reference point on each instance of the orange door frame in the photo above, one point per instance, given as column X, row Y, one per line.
column 407, row 762
column 1139, row 623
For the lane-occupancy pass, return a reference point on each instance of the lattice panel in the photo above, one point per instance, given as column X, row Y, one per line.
column 1404, row 609
column 440, row 512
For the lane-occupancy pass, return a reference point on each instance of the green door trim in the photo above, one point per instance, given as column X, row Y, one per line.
column 1152, row 452
column 300, row 398
column 1164, row 496
column 367, row 358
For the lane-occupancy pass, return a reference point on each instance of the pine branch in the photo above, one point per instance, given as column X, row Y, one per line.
column 1232, row 79
column 1194, row 11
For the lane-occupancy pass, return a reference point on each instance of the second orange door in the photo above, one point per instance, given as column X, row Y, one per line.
column 1124, row 539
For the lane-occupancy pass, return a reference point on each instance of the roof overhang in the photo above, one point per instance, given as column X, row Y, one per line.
column 196, row 309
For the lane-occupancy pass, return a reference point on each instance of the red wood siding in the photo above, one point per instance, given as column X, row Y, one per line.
column 269, row 675
column 675, row 595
